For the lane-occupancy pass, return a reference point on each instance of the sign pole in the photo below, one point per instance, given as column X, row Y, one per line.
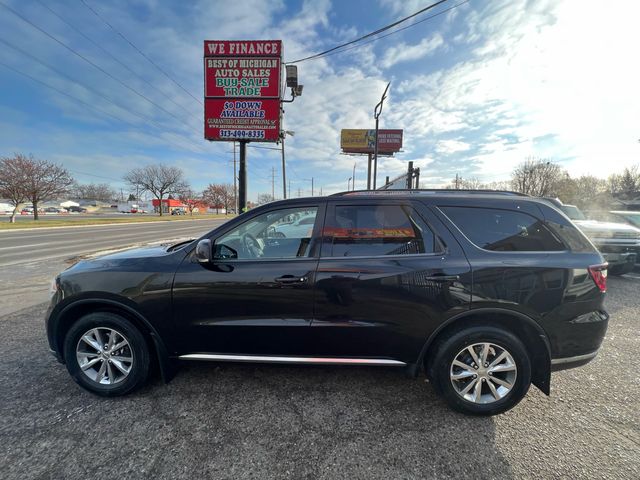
column 242, row 178
column 369, row 173
column 375, row 154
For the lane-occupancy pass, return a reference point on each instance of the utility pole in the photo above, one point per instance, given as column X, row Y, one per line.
column 312, row 192
column 273, row 183
column 354, row 176
column 457, row 187
column 376, row 114
column 410, row 176
column 289, row 188
column 299, row 192
column 284, row 169
column 235, row 180
column 242, row 178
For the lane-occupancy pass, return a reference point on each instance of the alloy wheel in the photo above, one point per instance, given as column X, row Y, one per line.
column 483, row 373
column 104, row 355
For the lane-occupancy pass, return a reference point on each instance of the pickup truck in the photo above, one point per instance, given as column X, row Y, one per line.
column 619, row 243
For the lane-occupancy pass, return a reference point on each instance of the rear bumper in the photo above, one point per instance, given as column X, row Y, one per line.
column 565, row 363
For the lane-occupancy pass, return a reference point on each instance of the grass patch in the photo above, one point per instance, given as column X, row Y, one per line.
column 75, row 220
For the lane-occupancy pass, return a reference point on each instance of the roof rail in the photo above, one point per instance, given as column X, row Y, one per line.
column 428, row 191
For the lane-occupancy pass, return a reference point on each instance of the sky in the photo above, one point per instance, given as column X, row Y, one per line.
column 477, row 89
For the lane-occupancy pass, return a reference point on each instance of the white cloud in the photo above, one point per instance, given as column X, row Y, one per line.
column 405, row 53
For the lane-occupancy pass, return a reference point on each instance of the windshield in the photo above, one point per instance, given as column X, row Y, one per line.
column 573, row 212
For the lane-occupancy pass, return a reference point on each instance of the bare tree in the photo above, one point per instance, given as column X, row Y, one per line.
column 264, row 198
column 537, row 177
column 220, row 195
column 44, row 180
column 94, row 191
column 625, row 185
column 158, row 180
column 13, row 181
column 189, row 198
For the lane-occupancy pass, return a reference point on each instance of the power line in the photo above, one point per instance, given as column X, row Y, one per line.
column 82, row 85
column 368, row 35
column 29, row 22
column 104, row 112
column 140, row 51
column 399, row 29
column 109, row 54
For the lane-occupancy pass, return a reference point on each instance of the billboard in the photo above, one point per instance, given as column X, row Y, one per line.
column 242, row 89
column 364, row 141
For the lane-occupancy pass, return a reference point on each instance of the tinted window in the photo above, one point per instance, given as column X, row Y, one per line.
column 371, row 230
column 503, row 230
column 275, row 234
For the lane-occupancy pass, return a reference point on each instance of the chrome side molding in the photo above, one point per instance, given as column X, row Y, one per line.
column 577, row 358
column 297, row 360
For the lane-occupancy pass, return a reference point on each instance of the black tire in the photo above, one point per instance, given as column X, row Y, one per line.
column 449, row 348
column 136, row 349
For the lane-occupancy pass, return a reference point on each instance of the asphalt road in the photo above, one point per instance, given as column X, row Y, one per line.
column 254, row 421
column 29, row 259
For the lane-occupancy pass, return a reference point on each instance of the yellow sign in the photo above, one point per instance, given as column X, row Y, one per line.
column 357, row 139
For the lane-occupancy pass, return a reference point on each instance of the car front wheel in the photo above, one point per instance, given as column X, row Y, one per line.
column 481, row 370
column 106, row 354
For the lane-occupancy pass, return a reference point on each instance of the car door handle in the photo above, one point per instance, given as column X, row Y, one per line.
column 443, row 278
column 290, row 279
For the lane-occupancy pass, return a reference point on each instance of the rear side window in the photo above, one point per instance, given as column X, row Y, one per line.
column 372, row 230
column 504, row 230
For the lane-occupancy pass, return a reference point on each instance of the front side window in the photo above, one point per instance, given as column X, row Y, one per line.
column 504, row 230
column 282, row 233
column 372, row 230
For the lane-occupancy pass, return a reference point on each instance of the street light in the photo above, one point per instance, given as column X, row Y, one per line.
column 349, row 184
column 376, row 114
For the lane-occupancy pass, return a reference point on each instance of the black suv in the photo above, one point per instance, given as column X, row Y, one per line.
column 488, row 292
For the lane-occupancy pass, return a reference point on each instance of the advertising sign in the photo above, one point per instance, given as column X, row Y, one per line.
column 242, row 119
column 242, row 77
column 242, row 88
column 363, row 141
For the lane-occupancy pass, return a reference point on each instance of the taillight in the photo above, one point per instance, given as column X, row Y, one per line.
column 599, row 275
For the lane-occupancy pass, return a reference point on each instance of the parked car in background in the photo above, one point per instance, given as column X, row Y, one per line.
column 485, row 293
column 74, row 209
column 178, row 211
column 297, row 229
column 54, row 210
column 619, row 243
column 620, row 216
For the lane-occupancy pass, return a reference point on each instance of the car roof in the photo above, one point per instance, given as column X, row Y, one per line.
column 422, row 194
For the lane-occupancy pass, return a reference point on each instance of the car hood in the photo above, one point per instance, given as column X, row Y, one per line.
column 596, row 226
column 133, row 253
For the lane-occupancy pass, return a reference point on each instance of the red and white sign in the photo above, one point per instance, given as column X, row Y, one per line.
column 242, row 89
column 242, row 77
column 242, row 119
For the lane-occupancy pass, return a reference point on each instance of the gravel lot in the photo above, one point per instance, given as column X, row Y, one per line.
column 242, row 421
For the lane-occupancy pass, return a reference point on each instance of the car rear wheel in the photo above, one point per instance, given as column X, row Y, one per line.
column 481, row 370
column 106, row 354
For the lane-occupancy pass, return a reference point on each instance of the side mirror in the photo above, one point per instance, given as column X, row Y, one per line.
column 203, row 251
